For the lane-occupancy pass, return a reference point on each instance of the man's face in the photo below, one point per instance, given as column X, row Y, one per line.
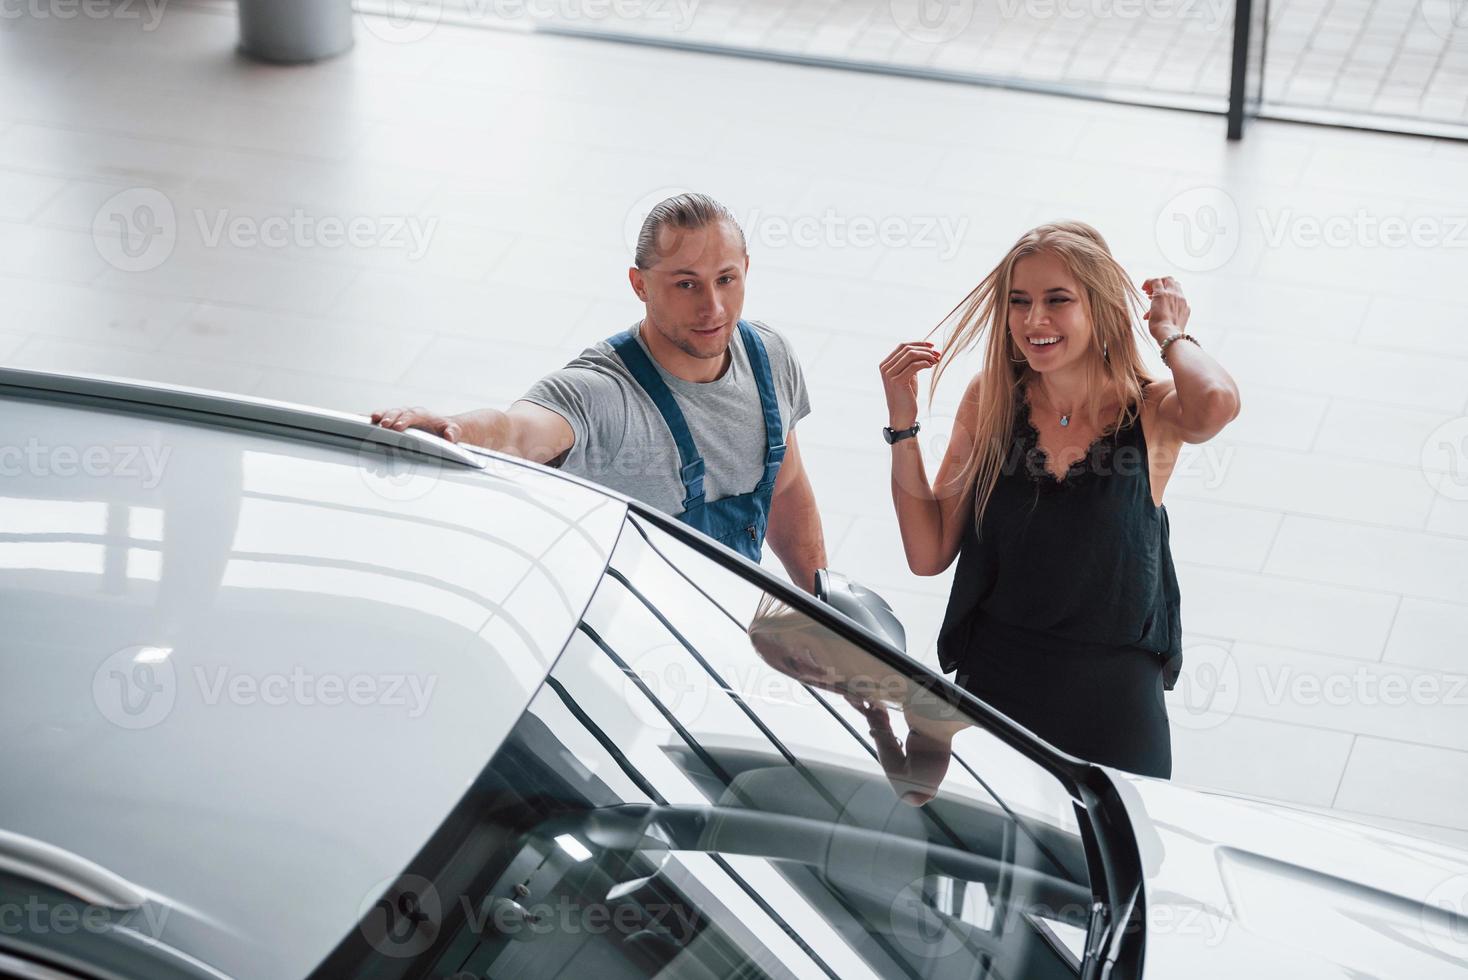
column 694, row 291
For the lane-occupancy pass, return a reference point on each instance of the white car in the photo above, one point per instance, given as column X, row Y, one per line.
column 284, row 694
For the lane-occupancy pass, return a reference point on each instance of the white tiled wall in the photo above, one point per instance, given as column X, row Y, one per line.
column 1315, row 552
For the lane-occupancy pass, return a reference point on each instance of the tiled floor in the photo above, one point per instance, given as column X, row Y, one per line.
column 1390, row 60
column 1322, row 540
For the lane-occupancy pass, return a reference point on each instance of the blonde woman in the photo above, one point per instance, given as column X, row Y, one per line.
column 1064, row 612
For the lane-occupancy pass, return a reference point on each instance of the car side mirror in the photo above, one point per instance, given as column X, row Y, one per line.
column 861, row 605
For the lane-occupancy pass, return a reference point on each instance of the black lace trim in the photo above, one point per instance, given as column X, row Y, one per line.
column 1035, row 460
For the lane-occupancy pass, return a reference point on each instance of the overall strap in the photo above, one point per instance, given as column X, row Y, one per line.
column 759, row 362
column 646, row 374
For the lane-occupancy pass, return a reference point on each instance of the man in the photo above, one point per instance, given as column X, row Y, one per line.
column 692, row 410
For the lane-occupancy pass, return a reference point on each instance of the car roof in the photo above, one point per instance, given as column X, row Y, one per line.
column 254, row 652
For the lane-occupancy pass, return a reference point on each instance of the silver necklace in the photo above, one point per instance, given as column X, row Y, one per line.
column 1064, row 419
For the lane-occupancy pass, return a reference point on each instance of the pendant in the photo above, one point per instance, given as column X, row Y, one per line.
column 1065, row 420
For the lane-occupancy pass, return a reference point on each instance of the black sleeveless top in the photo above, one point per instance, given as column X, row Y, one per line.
column 1079, row 562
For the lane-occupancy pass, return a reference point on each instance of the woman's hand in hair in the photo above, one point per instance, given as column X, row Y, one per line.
column 1169, row 312
column 899, row 380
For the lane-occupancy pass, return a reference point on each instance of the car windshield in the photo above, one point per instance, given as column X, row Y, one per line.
column 712, row 784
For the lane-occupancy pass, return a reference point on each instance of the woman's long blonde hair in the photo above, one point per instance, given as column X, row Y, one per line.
column 1113, row 306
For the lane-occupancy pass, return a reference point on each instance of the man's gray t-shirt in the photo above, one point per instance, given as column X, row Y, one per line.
column 623, row 443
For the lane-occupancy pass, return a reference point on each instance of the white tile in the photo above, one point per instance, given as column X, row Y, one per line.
column 22, row 195
column 359, row 397
column 1284, row 612
column 11, row 341
column 45, row 354
column 1431, row 635
column 1302, row 483
column 1281, row 418
column 465, row 309
column 1409, row 782
column 1387, row 700
column 1275, row 309
column 1450, row 511
column 138, row 161
column 87, row 313
column 239, row 276
column 1380, row 559
column 1260, row 758
column 1420, row 323
column 1457, row 837
column 1385, row 433
column 46, row 253
column 1217, row 534
column 1408, row 380
column 502, row 370
column 273, row 340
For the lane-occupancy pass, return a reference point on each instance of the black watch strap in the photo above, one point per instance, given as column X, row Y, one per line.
column 895, row 436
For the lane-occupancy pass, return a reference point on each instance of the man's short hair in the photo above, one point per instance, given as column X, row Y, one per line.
column 681, row 211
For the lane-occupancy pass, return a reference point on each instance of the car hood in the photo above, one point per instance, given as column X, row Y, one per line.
column 1235, row 885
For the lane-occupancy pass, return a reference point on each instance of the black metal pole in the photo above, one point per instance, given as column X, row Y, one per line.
column 1238, row 85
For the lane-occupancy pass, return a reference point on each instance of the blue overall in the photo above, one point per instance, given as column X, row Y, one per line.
column 738, row 522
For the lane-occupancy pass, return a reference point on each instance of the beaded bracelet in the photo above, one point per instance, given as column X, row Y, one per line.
column 1162, row 350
